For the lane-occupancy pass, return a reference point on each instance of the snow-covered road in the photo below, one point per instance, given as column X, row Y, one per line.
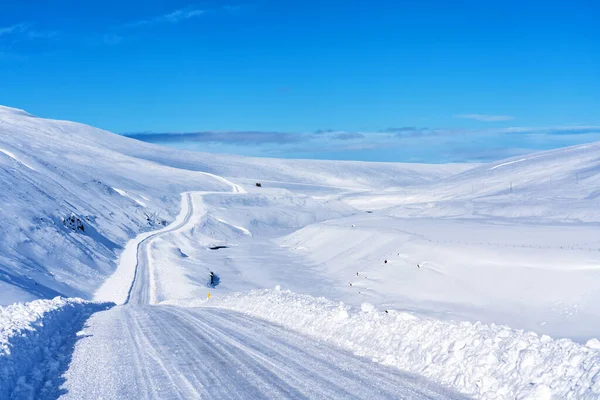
column 140, row 350
column 139, row 293
column 171, row 352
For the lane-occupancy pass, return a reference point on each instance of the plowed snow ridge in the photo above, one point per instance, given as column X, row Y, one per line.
column 485, row 361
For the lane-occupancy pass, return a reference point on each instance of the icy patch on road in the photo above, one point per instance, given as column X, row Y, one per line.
column 35, row 343
column 484, row 361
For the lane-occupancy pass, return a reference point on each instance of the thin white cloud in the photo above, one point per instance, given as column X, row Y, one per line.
column 180, row 15
column 172, row 17
column 555, row 130
column 25, row 30
column 485, row 117
column 17, row 28
column 41, row 34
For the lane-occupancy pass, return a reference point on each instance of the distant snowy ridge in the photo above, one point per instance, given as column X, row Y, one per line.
column 558, row 185
column 32, row 339
column 14, row 111
column 484, row 361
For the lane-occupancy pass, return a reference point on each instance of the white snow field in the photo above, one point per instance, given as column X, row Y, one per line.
column 481, row 279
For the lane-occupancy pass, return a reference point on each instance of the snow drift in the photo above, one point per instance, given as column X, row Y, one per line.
column 485, row 361
column 35, row 339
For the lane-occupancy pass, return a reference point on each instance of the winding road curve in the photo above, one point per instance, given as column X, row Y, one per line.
column 139, row 292
column 144, row 351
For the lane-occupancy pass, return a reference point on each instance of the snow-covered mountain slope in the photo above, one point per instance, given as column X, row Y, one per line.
column 469, row 247
column 68, row 204
column 560, row 185
column 72, row 195
column 293, row 173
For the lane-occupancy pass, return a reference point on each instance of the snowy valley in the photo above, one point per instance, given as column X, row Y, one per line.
column 445, row 280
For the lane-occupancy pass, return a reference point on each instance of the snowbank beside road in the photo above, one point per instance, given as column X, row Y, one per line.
column 485, row 361
column 34, row 343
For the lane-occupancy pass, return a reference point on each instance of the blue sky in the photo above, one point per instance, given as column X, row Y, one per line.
column 430, row 81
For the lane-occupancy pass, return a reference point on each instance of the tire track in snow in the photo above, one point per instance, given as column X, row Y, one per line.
column 140, row 287
column 169, row 352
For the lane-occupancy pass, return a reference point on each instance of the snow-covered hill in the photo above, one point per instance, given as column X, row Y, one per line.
column 68, row 204
column 72, row 195
column 432, row 256
column 514, row 242
column 560, row 185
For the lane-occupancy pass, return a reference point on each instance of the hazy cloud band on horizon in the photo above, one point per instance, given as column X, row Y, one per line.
column 405, row 143
column 485, row 117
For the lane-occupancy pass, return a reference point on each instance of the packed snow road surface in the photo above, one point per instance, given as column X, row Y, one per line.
column 170, row 352
column 140, row 350
column 139, row 293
